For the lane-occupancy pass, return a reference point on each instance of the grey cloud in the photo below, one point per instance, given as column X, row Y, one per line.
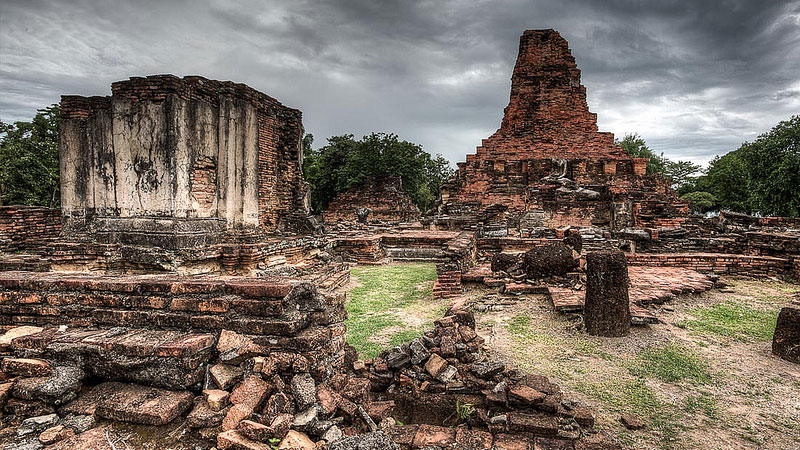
column 693, row 78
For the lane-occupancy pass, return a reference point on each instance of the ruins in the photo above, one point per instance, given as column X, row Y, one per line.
column 184, row 279
column 379, row 200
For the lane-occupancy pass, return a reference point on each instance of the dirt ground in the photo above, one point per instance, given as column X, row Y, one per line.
column 704, row 378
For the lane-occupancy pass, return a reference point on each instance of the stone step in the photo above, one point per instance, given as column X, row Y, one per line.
column 170, row 359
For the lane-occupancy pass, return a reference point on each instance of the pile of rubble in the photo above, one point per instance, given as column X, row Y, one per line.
column 443, row 386
column 447, row 382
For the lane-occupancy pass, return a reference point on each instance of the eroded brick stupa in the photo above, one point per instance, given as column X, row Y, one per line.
column 548, row 165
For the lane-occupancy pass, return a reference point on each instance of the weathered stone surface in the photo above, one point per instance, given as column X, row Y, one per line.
column 217, row 399
column 143, row 405
column 548, row 260
column 607, row 306
column 225, row 375
column 37, row 424
column 295, row 440
column 27, row 367
column 89, row 398
column 304, row 390
column 526, row 395
column 511, row 442
column 59, row 388
column 432, row 435
column 232, row 440
column 435, row 365
column 203, row 416
column 234, row 348
column 367, row 441
column 79, row 423
column 487, row 369
column 786, row 340
column 538, row 424
column 94, row 439
column 467, row 439
column 419, row 353
column 252, row 392
column 55, row 434
column 236, row 414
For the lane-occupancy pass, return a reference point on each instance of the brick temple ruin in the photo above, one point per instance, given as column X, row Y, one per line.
column 185, row 282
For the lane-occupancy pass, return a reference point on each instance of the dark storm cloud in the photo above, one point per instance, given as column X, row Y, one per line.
column 695, row 78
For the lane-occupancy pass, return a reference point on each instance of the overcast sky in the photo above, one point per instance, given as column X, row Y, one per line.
column 694, row 78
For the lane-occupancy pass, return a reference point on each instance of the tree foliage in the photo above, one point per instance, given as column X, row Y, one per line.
column 29, row 173
column 345, row 162
column 700, row 202
column 680, row 172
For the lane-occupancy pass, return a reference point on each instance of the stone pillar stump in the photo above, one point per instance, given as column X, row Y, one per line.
column 607, row 311
column 786, row 341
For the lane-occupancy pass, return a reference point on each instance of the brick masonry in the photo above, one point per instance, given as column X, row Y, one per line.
column 549, row 159
column 384, row 197
column 28, row 228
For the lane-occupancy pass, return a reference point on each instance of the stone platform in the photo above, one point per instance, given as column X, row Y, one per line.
column 649, row 285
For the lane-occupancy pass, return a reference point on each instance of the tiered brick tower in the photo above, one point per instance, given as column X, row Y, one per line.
column 548, row 164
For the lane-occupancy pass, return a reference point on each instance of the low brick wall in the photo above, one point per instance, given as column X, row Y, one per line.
column 283, row 314
column 745, row 265
column 459, row 256
column 28, row 228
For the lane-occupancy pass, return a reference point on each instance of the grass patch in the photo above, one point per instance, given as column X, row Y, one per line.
column 702, row 402
column 671, row 363
column 634, row 396
column 373, row 305
column 733, row 320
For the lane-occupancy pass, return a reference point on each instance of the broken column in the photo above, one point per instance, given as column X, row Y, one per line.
column 607, row 309
column 786, row 341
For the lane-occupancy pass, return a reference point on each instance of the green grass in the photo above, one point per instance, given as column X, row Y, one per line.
column 703, row 402
column 733, row 320
column 671, row 363
column 384, row 290
column 634, row 396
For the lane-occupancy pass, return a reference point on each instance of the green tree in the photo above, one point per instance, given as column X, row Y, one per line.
column 345, row 162
column 29, row 173
column 727, row 178
column 773, row 169
column 680, row 172
column 700, row 202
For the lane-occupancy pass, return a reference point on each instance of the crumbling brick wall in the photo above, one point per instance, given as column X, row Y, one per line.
column 183, row 148
column 384, row 197
column 549, row 155
column 28, row 228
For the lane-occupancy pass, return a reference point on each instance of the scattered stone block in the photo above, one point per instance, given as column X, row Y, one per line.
column 539, row 424
column 526, row 395
column 232, row 440
column 786, row 340
column 552, row 444
column 366, row 441
column 435, row 365
column 548, row 260
column 143, row 405
column 607, row 307
column 255, row 431
column 304, row 390
column 10, row 335
column 225, row 375
column 27, row 367
column 236, row 414
column 55, row 434
column 487, row 369
column 295, row 440
column 79, row 423
column 252, row 392
column 217, row 399
column 203, row 416
column 432, row 435
column 37, row 424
